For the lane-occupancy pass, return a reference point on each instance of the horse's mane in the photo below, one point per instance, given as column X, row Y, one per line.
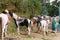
column 3, row 12
column 11, row 13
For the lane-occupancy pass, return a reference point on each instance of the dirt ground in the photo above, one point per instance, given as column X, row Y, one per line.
column 33, row 36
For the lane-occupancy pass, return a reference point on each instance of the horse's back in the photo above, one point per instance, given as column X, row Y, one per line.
column 4, row 18
column 43, row 22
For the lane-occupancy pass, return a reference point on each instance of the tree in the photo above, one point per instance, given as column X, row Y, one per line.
column 52, row 9
column 34, row 6
column 44, row 9
column 4, row 4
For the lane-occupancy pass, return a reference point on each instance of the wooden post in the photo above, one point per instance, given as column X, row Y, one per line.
column 0, row 28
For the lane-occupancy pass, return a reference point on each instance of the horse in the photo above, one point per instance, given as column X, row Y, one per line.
column 5, row 21
column 36, row 21
column 44, row 25
column 19, row 21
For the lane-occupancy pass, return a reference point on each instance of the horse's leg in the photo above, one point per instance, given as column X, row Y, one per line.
column 2, row 29
column 18, row 29
column 31, row 23
column 2, row 26
column 1, row 36
column 3, row 32
column 38, row 25
column 29, row 30
column 31, row 26
column 6, row 30
column 44, row 29
column 41, row 28
column 17, row 26
column 47, row 29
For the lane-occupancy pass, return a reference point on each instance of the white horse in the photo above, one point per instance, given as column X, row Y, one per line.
column 5, row 21
column 44, row 25
column 23, row 22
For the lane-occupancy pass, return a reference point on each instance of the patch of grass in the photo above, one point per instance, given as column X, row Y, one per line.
column 27, row 36
column 11, row 27
column 45, row 38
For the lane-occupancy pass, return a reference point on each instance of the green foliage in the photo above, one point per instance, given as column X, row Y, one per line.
column 34, row 6
column 31, row 7
column 52, row 9
column 11, row 27
column 4, row 3
column 16, row 3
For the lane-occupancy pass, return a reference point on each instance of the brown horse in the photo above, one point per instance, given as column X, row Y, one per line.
column 36, row 21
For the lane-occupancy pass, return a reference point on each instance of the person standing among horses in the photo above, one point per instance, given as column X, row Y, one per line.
column 53, row 25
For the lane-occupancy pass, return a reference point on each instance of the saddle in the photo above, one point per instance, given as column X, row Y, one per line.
column 24, row 22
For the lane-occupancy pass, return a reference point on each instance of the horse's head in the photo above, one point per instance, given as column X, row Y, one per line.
column 5, row 11
column 13, row 15
column 9, row 13
column 34, row 20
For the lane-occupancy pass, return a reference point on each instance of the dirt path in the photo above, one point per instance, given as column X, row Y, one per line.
column 57, row 37
column 34, row 36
